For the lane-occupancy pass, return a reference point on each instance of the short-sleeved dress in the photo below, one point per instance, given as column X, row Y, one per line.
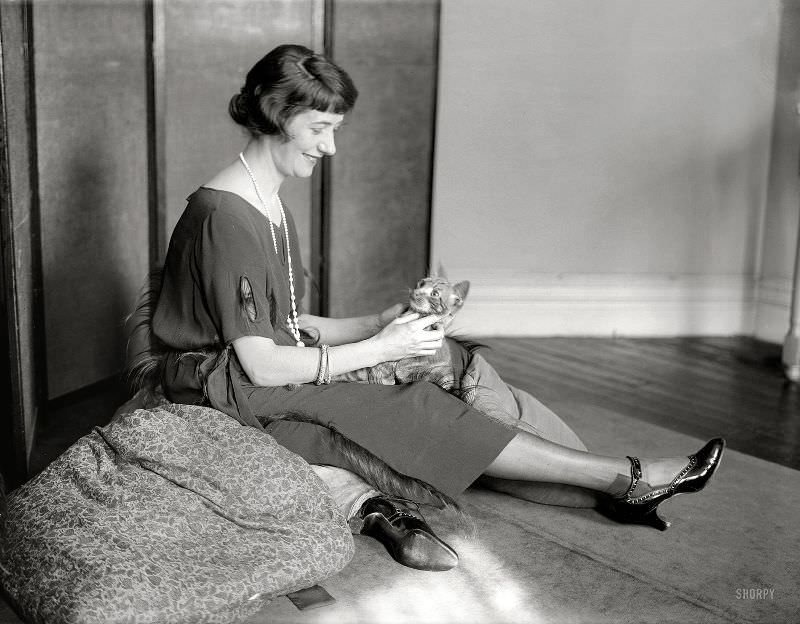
column 222, row 248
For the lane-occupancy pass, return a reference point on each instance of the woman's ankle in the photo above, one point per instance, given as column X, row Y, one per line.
column 646, row 474
column 620, row 486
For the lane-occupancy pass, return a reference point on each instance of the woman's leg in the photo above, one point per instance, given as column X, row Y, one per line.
column 348, row 490
column 558, row 494
column 558, row 477
column 532, row 415
column 422, row 431
column 530, row 458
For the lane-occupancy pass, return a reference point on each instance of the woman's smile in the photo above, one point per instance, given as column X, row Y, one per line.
column 311, row 137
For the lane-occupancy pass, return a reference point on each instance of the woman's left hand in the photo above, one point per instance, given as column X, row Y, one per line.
column 390, row 314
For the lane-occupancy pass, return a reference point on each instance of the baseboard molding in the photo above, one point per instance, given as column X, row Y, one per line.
column 108, row 384
column 513, row 304
column 773, row 306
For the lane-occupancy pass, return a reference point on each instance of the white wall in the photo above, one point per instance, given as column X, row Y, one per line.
column 783, row 196
column 603, row 167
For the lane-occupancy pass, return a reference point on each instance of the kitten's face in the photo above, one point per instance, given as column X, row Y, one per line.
column 435, row 295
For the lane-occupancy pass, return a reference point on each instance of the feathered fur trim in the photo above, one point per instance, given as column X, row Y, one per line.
column 377, row 472
column 145, row 353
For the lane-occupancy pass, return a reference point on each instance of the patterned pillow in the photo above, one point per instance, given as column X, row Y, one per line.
column 171, row 514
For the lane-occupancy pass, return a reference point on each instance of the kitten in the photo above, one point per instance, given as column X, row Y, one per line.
column 437, row 296
column 432, row 296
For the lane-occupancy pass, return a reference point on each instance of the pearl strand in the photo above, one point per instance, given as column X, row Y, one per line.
column 294, row 326
column 291, row 319
column 264, row 208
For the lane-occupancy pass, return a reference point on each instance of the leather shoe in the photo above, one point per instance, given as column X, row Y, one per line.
column 643, row 508
column 406, row 535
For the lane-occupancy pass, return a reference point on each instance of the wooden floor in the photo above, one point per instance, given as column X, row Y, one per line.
column 72, row 416
column 703, row 387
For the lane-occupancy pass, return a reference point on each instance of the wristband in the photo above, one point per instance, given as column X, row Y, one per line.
column 322, row 371
column 328, row 375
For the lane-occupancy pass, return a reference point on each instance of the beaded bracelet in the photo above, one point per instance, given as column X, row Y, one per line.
column 322, row 372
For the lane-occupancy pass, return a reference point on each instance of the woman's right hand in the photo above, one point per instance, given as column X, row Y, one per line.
column 409, row 336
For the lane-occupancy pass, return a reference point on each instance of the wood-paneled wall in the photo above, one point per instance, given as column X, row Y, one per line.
column 133, row 96
column 90, row 73
column 207, row 54
column 379, row 210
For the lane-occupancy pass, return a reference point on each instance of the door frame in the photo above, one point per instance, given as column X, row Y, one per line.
column 23, row 381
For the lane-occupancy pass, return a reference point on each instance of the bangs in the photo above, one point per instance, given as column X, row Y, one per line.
column 314, row 95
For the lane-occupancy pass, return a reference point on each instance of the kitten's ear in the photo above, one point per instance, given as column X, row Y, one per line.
column 461, row 289
column 440, row 272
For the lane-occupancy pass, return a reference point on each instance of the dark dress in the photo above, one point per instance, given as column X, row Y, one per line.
column 222, row 241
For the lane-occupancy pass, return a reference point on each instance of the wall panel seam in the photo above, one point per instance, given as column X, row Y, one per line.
column 155, row 76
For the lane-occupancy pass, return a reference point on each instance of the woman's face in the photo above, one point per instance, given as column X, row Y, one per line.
column 311, row 135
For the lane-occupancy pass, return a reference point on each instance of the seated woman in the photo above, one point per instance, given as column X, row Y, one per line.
column 232, row 284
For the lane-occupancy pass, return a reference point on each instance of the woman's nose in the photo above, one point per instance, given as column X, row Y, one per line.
column 328, row 146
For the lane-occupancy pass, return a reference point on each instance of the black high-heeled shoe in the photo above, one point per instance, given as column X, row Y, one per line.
column 643, row 509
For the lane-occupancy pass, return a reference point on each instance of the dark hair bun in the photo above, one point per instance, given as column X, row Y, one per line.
column 238, row 108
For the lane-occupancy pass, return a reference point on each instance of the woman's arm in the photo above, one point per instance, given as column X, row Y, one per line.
column 268, row 364
column 334, row 331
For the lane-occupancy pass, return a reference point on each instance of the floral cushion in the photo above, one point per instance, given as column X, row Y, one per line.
column 171, row 514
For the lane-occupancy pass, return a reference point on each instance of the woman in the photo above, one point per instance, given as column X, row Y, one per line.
column 233, row 281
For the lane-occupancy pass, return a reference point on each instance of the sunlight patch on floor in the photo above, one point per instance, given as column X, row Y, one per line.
column 481, row 590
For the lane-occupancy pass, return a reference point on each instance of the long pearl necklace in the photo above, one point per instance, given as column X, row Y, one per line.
column 291, row 319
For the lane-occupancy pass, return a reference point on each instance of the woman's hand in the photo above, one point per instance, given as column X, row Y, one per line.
column 389, row 314
column 409, row 336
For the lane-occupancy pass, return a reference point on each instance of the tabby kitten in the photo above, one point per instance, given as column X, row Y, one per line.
column 437, row 296
column 432, row 296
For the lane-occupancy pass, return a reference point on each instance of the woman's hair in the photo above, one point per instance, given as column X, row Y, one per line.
column 289, row 80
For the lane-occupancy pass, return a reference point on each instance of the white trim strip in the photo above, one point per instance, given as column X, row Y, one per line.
column 502, row 303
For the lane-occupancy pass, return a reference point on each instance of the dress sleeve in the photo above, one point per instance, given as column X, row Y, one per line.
column 233, row 278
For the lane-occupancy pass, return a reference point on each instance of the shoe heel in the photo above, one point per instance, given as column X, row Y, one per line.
column 654, row 520
column 630, row 514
